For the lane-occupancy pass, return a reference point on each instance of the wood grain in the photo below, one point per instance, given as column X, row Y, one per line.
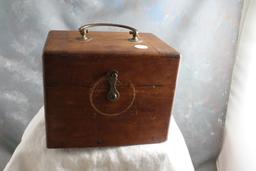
column 71, row 69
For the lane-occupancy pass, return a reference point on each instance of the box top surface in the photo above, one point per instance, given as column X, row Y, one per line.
column 114, row 43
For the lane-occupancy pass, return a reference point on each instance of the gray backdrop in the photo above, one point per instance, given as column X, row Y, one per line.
column 204, row 31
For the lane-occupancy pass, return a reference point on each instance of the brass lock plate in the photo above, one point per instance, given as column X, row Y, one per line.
column 112, row 78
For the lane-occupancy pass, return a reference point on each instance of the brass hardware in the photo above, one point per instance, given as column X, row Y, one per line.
column 134, row 32
column 113, row 94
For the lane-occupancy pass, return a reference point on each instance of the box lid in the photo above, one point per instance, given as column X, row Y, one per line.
column 66, row 42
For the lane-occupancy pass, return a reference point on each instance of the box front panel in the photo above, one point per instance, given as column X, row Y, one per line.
column 79, row 114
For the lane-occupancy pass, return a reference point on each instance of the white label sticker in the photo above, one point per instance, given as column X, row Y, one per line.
column 141, row 46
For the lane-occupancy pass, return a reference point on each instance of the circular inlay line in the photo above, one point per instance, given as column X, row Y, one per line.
column 104, row 113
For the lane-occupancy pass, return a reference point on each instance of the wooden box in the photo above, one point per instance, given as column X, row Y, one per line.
column 107, row 90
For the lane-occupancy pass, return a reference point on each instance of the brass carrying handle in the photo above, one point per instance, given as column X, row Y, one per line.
column 134, row 32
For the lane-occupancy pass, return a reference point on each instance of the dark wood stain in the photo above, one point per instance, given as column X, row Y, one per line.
column 73, row 104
